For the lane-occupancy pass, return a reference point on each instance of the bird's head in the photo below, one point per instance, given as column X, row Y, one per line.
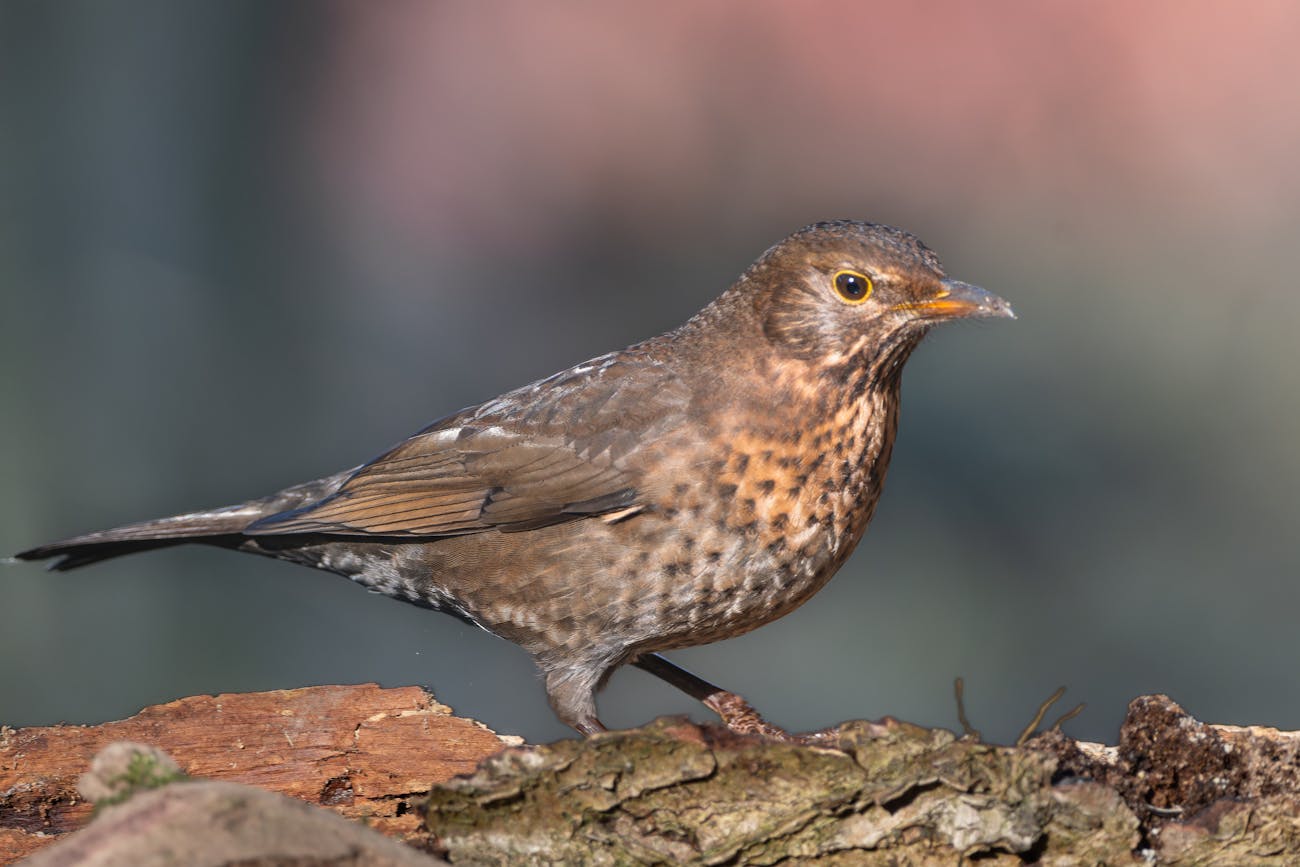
column 843, row 292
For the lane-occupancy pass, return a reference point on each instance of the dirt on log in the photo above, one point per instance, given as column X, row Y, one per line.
column 1173, row 791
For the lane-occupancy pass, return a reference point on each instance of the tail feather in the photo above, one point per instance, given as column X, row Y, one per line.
column 73, row 556
column 144, row 536
column 214, row 527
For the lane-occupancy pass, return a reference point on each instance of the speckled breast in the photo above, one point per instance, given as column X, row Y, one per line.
column 781, row 511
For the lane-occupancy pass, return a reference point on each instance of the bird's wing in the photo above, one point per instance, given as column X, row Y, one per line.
column 550, row 452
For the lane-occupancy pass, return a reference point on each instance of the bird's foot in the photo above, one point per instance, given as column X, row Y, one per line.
column 737, row 714
column 740, row 716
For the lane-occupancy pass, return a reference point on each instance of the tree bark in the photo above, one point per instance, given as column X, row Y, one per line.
column 362, row 751
column 1173, row 791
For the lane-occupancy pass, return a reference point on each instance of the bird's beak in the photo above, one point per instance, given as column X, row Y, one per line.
column 958, row 300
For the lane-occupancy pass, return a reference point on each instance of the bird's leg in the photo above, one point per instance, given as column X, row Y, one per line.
column 737, row 713
column 572, row 693
column 590, row 726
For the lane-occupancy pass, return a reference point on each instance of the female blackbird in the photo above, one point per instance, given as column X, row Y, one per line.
column 686, row 489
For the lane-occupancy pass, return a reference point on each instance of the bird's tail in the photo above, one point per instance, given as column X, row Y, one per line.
column 223, row 526
column 210, row 526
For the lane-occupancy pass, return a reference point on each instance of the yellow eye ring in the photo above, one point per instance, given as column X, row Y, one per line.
column 853, row 287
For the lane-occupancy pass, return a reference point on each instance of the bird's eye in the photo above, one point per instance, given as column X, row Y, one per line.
column 852, row 286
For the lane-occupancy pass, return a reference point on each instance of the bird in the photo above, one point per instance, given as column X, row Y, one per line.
column 689, row 488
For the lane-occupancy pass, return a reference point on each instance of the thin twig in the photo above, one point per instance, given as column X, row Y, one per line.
column 1068, row 715
column 967, row 730
column 1034, row 723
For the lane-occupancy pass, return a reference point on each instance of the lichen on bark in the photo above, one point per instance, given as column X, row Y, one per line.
column 675, row 793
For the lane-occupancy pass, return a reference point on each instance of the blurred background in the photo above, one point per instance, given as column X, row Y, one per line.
column 245, row 244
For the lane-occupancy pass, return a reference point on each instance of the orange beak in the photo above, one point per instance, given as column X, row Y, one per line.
column 958, row 300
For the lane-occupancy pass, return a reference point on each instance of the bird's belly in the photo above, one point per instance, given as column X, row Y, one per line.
column 649, row 582
column 723, row 583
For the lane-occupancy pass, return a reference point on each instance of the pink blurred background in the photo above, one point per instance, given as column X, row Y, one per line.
column 246, row 244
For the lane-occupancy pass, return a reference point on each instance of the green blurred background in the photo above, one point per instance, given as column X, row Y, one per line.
column 244, row 244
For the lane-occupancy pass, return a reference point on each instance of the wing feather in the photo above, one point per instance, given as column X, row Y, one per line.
column 555, row 451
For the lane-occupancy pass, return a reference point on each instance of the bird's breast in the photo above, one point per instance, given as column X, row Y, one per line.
column 768, row 520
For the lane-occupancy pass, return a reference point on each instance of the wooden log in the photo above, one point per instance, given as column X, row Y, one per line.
column 363, row 751
column 1174, row 791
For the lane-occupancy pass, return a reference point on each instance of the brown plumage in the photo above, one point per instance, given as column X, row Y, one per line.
column 686, row 489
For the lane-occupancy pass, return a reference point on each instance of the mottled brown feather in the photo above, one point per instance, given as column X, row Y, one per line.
column 494, row 467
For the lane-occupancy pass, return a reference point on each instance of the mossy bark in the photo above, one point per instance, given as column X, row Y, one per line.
column 1173, row 791
column 675, row 793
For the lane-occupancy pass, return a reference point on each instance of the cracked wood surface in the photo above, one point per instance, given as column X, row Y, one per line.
column 1173, row 791
column 885, row 793
column 362, row 751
